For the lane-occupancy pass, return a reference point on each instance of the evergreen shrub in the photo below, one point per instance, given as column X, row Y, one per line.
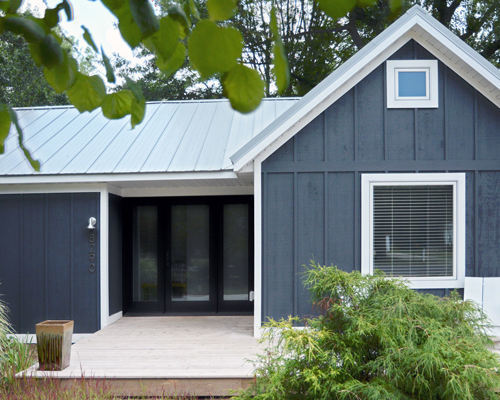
column 375, row 338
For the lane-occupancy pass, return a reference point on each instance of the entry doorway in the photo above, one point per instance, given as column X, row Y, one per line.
column 189, row 255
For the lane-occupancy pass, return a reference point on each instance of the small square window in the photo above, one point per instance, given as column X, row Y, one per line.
column 412, row 84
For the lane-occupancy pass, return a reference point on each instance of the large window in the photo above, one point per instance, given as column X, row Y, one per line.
column 414, row 227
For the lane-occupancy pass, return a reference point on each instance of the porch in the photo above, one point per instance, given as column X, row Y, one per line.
column 195, row 355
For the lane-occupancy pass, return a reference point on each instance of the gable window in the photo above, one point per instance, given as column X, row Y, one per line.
column 413, row 227
column 412, row 84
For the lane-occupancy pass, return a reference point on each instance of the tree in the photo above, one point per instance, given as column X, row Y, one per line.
column 317, row 44
column 377, row 339
column 22, row 83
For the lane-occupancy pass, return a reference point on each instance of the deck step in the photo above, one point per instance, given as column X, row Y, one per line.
column 184, row 387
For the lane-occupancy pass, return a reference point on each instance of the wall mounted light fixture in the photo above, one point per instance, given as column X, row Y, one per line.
column 92, row 222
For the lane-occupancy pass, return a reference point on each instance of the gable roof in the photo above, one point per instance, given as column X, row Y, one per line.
column 415, row 24
column 175, row 136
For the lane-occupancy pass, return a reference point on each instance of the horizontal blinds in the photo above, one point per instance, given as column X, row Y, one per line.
column 413, row 230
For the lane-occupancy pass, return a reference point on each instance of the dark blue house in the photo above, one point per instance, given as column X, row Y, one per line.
column 391, row 163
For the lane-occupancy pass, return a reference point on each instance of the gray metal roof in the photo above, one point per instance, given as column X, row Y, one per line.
column 175, row 136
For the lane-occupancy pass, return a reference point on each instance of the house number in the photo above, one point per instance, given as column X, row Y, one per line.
column 92, row 267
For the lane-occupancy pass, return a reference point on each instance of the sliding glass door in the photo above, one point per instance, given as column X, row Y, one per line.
column 189, row 255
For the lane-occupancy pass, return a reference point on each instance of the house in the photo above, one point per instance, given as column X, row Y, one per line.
column 391, row 163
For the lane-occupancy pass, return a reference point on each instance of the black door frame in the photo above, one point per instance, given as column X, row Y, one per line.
column 164, row 305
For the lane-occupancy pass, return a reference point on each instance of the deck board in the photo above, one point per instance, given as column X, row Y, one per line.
column 165, row 348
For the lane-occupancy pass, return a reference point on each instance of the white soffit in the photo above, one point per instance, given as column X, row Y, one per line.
column 415, row 24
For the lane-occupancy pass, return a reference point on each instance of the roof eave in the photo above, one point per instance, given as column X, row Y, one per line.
column 415, row 24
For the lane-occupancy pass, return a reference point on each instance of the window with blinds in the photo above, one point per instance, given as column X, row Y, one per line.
column 413, row 232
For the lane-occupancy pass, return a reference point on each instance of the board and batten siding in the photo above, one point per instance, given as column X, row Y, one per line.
column 44, row 259
column 312, row 184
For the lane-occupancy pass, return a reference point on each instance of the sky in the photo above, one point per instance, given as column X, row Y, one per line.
column 92, row 14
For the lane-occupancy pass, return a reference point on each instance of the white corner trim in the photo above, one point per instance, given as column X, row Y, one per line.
column 257, row 304
column 30, row 338
column 458, row 180
column 104, row 259
column 429, row 67
column 115, row 317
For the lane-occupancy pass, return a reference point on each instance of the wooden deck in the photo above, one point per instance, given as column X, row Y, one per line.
column 207, row 355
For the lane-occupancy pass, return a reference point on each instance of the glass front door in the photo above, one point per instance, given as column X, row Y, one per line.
column 190, row 255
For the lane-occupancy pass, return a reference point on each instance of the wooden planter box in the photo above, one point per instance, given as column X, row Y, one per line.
column 53, row 342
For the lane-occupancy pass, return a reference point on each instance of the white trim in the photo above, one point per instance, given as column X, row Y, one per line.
column 30, row 338
column 458, row 182
column 130, row 177
column 52, row 188
column 257, row 202
column 115, row 317
column 430, row 67
column 415, row 24
column 103, row 233
column 186, row 191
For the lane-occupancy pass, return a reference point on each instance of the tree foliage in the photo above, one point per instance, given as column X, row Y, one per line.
column 377, row 339
column 22, row 82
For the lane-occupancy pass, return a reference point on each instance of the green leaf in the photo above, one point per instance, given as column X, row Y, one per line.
column 128, row 28
column 164, row 42
column 87, row 93
column 35, row 164
column 51, row 53
column 179, row 15
column 135, row 88
column 4, row 126
column 191, row 9
column 51, row 17
column 88, row 38
column 171, row 65
column 220, row 10
column 26, row 27
column 280, row 69
column 67, row 9
column 137, row 112
column 336, row 8
column 110, row 75
column 244, row 88
column 117, row 105
column 62, row 76
column 214, row 49
column 144, row 17
column 365, row 3
column 10, row 6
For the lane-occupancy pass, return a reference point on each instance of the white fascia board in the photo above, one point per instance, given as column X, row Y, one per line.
column 353, row 72
column 103, row 178
column 52, row 188
column 410, row 26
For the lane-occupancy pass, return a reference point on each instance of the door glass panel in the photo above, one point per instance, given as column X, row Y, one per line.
column 145, row 270
column 190, row 253
column 235, row 252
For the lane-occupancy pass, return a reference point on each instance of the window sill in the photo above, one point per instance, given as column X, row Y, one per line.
column 436, row 283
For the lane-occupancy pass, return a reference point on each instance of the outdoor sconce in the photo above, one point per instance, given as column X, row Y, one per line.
column 92, row 222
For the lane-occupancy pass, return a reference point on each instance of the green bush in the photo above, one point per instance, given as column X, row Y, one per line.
column 377, row 339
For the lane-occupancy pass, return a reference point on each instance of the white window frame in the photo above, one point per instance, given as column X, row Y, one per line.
column 430, row 67
column 457, row 180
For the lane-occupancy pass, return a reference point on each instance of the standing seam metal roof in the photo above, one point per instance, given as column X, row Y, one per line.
column 175, row 136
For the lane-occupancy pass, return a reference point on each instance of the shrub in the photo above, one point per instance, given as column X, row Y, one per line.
column 377, row 339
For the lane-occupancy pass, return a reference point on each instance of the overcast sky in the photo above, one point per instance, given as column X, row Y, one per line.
column 95, row 17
